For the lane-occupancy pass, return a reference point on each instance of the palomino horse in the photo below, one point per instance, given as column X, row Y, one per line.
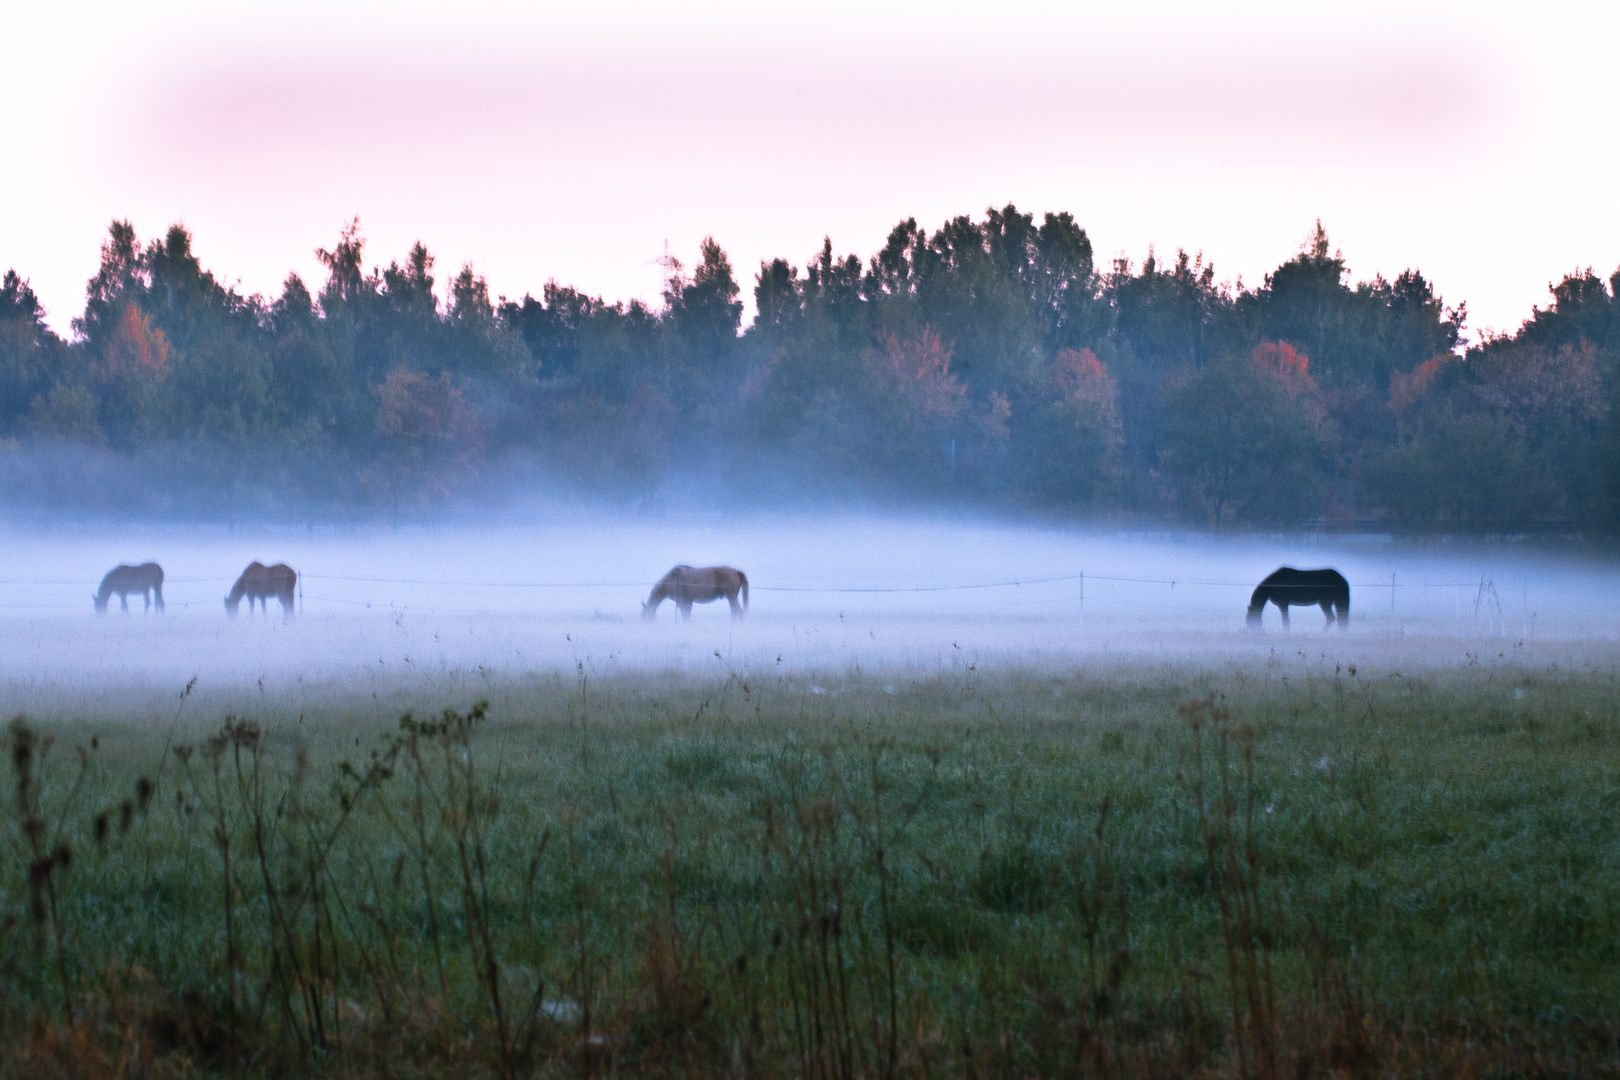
column 260, row 582
column 688, row 585
column 1287, row 587
column 146, row 579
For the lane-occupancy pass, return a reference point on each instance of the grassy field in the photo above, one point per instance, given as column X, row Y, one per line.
column 1025, row 873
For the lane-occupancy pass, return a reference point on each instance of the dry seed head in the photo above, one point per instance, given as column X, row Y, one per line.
column 143, row 793
column 100, row 828
column 243, row 733
column 126, row 814
column 22, row 745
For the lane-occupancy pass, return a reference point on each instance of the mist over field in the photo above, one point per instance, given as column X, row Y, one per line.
column 398, row 618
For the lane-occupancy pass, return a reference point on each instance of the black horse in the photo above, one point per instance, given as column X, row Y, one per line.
column 1287, row 587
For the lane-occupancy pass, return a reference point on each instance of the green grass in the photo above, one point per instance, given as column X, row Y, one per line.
column 1021, row 874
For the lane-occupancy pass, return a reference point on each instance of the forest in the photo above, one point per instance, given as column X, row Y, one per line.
column 989, row 364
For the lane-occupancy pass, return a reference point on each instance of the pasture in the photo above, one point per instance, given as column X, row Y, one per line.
column 983, row 832
column 1014, row 872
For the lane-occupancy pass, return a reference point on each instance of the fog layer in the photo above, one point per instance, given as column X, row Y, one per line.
column 423, row 615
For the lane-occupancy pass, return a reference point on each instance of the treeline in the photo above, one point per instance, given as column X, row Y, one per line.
column 988, row 362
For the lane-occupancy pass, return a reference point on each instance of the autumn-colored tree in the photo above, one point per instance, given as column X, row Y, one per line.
column 135, row 350
column 429, row 413
column 1244, row 438
column 429, row 431
column 1076, row 458
column 1495, row 437
column 914, row 375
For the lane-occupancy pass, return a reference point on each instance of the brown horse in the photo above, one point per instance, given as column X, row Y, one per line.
column 146, row 579
column 260, row 582
column 688, row 585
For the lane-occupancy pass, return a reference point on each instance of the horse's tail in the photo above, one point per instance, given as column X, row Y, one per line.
column 742, row 577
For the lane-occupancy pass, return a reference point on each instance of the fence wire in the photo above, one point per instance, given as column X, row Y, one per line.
column 853, row 589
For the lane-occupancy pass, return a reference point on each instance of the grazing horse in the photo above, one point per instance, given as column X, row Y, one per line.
column 688, row 585
column 260, row 582
column 146, row 579
column 1287, row 587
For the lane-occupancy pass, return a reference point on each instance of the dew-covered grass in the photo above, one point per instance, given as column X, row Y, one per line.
column 1148, row 869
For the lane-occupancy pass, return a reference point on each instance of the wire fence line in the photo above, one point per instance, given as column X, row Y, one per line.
column 853, row 589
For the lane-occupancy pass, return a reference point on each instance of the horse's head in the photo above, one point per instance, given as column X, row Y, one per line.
column 100, row 602
column 1257, row 605
column 231, row 606
column 649, row 612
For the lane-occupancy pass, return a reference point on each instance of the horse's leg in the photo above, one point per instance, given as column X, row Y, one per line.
column 1343, row 607
column 686, row 610
column 1327, row 609
column 1282, row 607
column 123, row 602
column 146, row 594
column 736, row 609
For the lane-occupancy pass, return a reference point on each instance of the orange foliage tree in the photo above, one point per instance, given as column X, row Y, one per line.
column 1075, row 458
column 1243, row 438
column 1495, row 437
column 136, row 349
column 429, row 429
column 915, row 374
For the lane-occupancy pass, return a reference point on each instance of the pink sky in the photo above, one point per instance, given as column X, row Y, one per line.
column 1475, row 142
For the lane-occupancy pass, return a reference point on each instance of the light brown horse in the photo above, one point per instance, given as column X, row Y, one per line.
column 146, row 579
column 260, row 582
column 688, row 585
